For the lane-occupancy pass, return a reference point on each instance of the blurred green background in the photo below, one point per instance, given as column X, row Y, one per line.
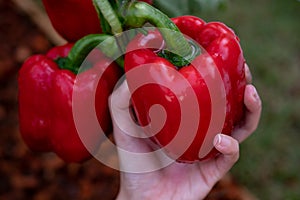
column 269, row 31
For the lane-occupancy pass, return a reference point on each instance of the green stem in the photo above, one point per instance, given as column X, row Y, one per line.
column 84, row 46
column 138, row 13
column 106, row 10
column 123, row 5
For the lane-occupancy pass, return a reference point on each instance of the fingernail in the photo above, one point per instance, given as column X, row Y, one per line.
column 217, row 140
column 221, row 141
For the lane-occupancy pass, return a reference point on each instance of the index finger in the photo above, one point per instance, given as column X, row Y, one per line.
column 252, row 116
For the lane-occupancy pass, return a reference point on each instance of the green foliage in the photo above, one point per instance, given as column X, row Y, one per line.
column 192, row 7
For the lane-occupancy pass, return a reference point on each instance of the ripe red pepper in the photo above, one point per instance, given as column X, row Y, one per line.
column 73, row 19
column 222, row 45
column 45, row 102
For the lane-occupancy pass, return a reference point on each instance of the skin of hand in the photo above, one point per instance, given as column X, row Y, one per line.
column 180, row 180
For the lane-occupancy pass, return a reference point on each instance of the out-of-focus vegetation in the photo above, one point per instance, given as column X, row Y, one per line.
column 269, row 31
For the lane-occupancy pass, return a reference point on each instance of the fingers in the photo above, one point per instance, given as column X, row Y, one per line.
column 126, row 132
column 248, row 74
column 229, row 148
column 120, row 98
column 120, row 109
column 216, row 168
column 253, row 105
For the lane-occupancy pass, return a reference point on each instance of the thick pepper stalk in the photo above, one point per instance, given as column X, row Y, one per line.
column 45, row 98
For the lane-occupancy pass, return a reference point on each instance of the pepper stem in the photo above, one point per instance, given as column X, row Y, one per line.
column 84, row 46
column 138, row 13
column 105, row 9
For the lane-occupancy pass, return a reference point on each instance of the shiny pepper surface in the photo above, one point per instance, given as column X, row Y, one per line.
column 45, row 103
column 74, row 19
column 222, row 54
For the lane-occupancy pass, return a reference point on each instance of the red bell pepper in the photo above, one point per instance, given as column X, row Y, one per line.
column 73, row 19
column 222, row 47
column 45, row 99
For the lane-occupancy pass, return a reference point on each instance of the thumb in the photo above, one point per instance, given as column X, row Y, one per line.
column 128, row 134
column 136, row 155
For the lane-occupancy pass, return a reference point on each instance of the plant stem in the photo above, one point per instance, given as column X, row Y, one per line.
column 84, row 46
column 106, row 10
column 138, row 13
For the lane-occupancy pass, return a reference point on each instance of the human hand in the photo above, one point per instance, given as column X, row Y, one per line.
column 178, row 180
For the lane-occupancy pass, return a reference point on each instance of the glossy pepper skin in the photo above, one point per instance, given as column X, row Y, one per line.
column 35, row 86
column 73, row 19
column 221, row 45
column 45, row 103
